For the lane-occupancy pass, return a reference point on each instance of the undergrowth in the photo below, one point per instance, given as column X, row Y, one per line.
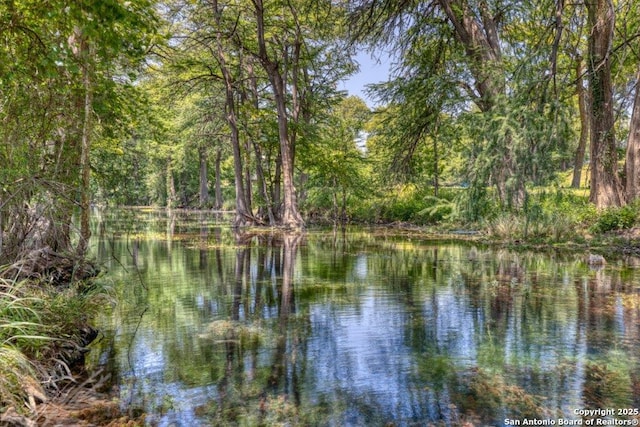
column 548, row 215
column 40, row 327
column 553, row 216
column 613, row 219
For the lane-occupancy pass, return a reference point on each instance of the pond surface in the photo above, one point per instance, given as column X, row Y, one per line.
column 357, row 328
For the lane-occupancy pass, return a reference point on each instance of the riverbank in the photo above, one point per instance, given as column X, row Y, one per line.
column 47, row 301
column 613, row 243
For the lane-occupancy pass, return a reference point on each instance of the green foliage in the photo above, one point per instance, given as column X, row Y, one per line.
column 439, row 128
column 38, row 323
column 438, row 209
column 402, row 206
column 407, row 203
column 612, row 219
column 494, row 112
column 556, row 215
column 56, row 56
column 338, row 168
column 473, row 204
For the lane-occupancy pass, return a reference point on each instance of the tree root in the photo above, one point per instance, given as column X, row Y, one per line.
column 47, row 265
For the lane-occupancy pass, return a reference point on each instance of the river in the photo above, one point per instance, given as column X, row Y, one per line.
column 356, row 327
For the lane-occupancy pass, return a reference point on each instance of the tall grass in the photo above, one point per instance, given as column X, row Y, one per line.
column 555, row 215
column 21, row 333
column 18, row 318
column 38, row 324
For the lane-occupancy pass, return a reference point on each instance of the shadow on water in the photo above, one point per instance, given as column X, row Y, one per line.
column 356, row 327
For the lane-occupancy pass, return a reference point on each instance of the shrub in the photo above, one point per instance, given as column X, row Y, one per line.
column 403, row 203
column 546, row 215
column 570, row 204
column 615, row 219
column 438, row 209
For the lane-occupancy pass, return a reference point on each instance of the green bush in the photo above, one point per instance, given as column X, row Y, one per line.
column 417, row 204
column 615, row 219
column 570, row 204
column 547, row 216
column 437, row 210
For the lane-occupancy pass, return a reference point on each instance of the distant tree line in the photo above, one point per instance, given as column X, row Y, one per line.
column 235, row 105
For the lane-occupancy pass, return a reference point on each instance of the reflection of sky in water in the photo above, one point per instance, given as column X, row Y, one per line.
column 147, row 385
column 360, row 269
column 360, row 351
column 364, row 350
column 454, row 323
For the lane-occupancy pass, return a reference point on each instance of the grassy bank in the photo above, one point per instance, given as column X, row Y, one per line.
column 550, row 216
column 44, row 333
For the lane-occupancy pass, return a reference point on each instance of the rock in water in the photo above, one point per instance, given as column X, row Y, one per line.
column 596, row 260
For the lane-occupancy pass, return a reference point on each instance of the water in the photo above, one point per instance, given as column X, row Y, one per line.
column 358, row 328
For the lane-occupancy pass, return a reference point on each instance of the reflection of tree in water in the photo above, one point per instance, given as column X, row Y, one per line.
column 361, row 328
column 610, row 378
column 521, row 330
column 251, row 389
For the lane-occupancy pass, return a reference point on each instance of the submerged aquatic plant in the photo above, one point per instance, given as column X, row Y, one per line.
column 608, row 383
column 488, row 392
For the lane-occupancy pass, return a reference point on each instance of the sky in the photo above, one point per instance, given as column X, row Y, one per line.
column 371, row 71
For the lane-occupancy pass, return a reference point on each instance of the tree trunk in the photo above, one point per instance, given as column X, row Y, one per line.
column 85, row 166
column 583, row 106
column 606, row 188
column 277, row 188
column 290, row 217
column 243, row 216
column 632, row 163
column 204, row 186
column 218, row 190
column 84, row 54
column 482, row 45
column 262, row 186
column 268, row 208
column 171, row 186
column 303, row 178
column 248, row 187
